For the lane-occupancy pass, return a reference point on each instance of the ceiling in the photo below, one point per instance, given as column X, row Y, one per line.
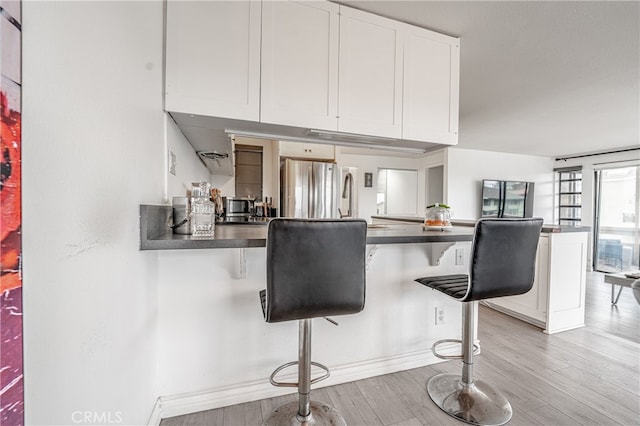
column 543, row 78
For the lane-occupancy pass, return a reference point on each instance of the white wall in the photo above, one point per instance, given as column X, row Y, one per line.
column 216, row 349
column 371, row 164
column 401, row 192
column 435, row 189
column 466, row 168
column 92, row 152
column 189, row 168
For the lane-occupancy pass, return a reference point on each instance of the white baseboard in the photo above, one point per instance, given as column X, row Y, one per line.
column 526, row 318
column 177, row 405
column 156, row 417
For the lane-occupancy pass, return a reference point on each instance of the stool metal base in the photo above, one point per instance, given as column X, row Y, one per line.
column 477, row 403
column 321, row 414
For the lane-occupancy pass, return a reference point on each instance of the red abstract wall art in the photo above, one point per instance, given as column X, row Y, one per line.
column 11, row 360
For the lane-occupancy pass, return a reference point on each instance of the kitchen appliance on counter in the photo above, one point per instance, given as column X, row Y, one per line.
column 308, row 189
column 238, row 209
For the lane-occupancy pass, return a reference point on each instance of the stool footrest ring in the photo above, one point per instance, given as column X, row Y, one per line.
column 476, row 349
column 274, row 382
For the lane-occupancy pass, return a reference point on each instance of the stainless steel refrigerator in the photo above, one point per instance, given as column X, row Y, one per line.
column 308, row 189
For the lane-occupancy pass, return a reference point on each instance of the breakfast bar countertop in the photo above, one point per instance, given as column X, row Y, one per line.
column 155, row 233
column 546, row 228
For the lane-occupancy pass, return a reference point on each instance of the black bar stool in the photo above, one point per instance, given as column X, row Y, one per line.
column 502, row 263
column 315, row 268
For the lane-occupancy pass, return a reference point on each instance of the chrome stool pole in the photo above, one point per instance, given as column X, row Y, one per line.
column 462, row 397
column 303, row 411
column 304, row 369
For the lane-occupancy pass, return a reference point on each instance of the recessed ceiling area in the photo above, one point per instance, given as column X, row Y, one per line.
column 546, row 78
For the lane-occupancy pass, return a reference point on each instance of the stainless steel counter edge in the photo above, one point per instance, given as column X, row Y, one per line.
column 545, row 228
column 155, row 234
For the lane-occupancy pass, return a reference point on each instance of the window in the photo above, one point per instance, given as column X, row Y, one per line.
column 617, row 219
column 569, row 196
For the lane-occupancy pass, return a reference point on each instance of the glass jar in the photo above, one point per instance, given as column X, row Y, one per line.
column 438, row 215
column 203, row 217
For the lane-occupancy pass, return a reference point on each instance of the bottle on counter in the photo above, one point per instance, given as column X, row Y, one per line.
column 203, row 211
column 216, row 199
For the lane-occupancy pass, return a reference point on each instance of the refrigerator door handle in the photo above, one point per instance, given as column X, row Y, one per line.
column 309, row 191
column 314, row 194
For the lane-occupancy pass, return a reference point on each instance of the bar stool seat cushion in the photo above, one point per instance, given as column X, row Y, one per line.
column 452, row 285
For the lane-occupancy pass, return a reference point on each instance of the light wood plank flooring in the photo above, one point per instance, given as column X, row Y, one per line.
column 588, row 376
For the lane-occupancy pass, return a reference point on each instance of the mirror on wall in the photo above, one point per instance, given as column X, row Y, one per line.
column 397, row 192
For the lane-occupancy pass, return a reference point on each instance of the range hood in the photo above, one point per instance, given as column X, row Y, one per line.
column 217, row 162
column 213, row 146
column 211, row 137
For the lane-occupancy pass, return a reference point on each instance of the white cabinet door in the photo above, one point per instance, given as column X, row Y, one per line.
column 300, row 64
column 370, row 75
column 430, row 86
column 307, row 150
column 557, row 300
column 567, row 281
column 213, row 58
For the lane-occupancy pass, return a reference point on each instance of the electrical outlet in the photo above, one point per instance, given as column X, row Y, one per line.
column 440, row 315
column 172, row 163
column 459, row 256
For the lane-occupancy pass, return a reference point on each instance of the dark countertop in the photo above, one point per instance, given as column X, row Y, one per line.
column 155, row 233
column 459, row 222
column 260, row 221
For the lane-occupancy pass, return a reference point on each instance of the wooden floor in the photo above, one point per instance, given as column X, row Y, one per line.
column 588, row 376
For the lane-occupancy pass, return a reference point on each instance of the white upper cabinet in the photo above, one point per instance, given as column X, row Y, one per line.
column 213, row 58
column 430, row 87
column 370, row 75
column 311, row 65
column 307, row 150
column 299, row 83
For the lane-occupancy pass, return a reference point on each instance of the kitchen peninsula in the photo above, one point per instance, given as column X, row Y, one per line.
column 218, row 349
column 155, row 233
column 215, row 318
